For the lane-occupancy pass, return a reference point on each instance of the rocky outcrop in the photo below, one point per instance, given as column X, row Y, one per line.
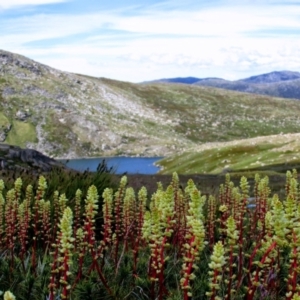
column 22, row 115
column 4, row 131
column 13, row 157
column 70, row 115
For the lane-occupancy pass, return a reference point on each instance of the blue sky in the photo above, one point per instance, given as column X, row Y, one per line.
column 142, row 40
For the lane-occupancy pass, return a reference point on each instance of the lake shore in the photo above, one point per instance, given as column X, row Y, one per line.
column 119, row 164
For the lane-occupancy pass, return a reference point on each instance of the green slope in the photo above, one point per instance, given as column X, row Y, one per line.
column 276, row 153
column 71, row 115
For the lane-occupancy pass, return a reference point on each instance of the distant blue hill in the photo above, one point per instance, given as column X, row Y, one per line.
column 284, row 84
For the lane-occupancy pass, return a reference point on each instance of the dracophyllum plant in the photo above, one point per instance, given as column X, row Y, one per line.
column 279, row 222
column 11, row 211
column 289, row 189
column 56, row 214
column 240, row 222
column 269, row 250
column 2, row 206
column 65, row 248
column 118, row 208
column 62, row 257
column 107, row 210
column 266, row 269
column 296, row 297
column 181, row 200
column 24, row 218
column 157, row 230
column 89, row 242
column 8, row 295
column 77, row 212
column 211, row 220
column 18, row 188
column 218, row 260
column 128, row 215
column 62, row 202
column 42, row 186
column 231, row 249
column 91, row 208
column 139, row 221
column 292, row 210
column 194, row 240
column 46, row 222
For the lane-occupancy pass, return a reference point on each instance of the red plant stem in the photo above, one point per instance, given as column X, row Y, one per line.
column 55, row 217
column 76, row 214
column 118, row 226
column 153, row 266
column 189, row 265
column 241, row 242
column 250, row 264
column 65, row 276
column 79, row 272
column 24, row 225
column 137, row 239
column 95, row 265
column 13, row 229
column 211, row 224
column 88, row 240
column 228, row 296
column 35, row 228
column 162, row 288
column 54, row 272
column 213, row 296
column 292, row 278
column 103, row 280
column 252, row 289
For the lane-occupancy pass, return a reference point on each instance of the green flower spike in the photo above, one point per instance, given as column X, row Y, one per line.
column 9, row 296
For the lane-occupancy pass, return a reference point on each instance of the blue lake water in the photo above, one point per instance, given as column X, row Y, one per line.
column 120, row 164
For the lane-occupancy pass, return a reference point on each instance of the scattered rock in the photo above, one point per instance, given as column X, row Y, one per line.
column 4, row 131
column 3, row 164
column 105, row 147
column 2, row 136
column 22, row 115
column 8, row 91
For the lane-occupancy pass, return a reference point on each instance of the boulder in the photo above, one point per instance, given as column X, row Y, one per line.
column 22, row 115
column 2, row 135
column 30, row 157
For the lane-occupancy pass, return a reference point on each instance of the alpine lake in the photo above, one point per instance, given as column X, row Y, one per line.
column 119, row 164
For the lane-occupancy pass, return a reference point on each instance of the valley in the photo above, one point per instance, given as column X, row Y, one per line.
column 67, row 115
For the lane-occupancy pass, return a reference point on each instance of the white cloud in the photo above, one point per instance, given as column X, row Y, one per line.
column 6, row 4
column 210, row 41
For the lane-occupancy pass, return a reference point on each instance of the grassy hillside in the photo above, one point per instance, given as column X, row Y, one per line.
column 275, row 154
column 207, row 114
column 70, row 115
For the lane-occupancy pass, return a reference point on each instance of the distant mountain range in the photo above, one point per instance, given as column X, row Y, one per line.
column 284, row 84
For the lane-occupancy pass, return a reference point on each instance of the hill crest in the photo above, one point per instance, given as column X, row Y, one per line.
column 69, row 115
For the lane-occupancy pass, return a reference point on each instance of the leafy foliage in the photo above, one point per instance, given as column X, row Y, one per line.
column 183, row 246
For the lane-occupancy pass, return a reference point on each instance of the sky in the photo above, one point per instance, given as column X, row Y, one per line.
column 141, row 40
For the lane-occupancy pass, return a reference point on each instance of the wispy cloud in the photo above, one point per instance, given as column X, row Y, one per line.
column 149, row 39
column 6, row 4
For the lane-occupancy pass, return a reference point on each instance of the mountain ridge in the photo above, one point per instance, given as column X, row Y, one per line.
column 284, row 84
column 72, row 115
